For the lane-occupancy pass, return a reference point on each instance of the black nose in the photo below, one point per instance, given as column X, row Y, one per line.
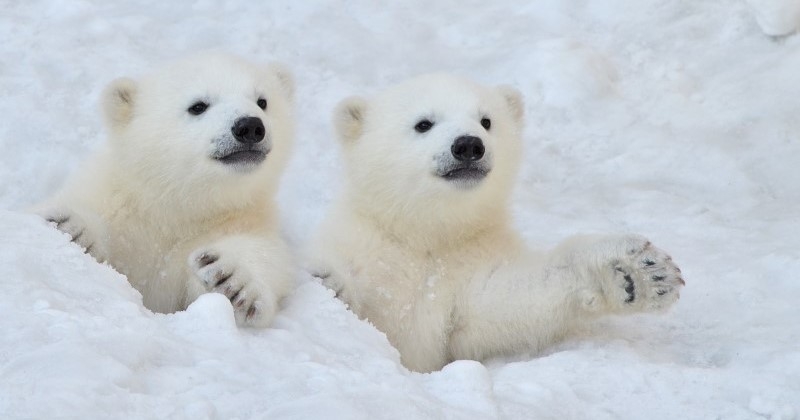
column 467, row 148
column 248, row 130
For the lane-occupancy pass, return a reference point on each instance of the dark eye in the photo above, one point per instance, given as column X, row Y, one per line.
column 486, row 123
column 198, row 108
column 423, row 126
column 262, row 103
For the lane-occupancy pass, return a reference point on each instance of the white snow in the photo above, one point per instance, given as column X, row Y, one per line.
column 777, row 17
column 675, row 119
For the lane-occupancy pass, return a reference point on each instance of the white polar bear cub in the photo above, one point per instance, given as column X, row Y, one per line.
column 189, row 171
column 420, row 244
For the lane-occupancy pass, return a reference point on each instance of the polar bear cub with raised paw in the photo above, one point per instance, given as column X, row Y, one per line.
column 420, row 244
column 180, row 198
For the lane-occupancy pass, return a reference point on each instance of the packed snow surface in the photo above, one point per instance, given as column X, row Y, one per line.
column 679, row 120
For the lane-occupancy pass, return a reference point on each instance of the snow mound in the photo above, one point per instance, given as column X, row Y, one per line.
column 777, row 17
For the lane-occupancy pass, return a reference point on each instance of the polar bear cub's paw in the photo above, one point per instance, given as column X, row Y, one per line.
column 80, row 232
column 642, row 277
column 224, row 270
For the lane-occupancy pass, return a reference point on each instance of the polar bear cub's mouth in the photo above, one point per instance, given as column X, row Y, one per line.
column 464, row 175
column 240, row 156
column 247, row 157
column 466, row 172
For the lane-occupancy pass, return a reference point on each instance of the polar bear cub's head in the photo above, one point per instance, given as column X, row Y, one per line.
column 206, row 121
column 430, row 143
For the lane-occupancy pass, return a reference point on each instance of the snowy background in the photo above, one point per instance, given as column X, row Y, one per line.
column 679, row 120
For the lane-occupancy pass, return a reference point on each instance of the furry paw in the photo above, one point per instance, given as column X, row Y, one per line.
column 334, row 282
column 253, row 301
column 644, row 278
column 75, row 226
column 328, row 280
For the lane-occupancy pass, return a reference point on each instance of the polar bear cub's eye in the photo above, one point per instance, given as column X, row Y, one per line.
column 262, row 103
column 486, row 123
column 423, row 126
column 198, row 108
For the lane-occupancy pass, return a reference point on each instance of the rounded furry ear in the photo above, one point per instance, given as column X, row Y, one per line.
column 348, row 118
column 284, row 76
column 514, row 100
column 119, row 98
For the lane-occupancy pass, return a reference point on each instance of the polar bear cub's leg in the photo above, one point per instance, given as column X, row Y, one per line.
column 252, row 272
column 625, row 273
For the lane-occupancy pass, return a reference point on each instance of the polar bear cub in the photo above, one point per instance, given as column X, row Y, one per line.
column 180, row 198
column 419, row 242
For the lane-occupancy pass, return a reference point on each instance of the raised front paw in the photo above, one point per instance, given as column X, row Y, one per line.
column 644, row 277
column 223, row 272
column 75, row 226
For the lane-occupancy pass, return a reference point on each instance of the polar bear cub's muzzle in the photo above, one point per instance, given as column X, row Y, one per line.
column 246, row 146
column 467, row 164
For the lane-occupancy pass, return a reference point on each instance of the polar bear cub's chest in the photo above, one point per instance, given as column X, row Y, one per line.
column 403, row 294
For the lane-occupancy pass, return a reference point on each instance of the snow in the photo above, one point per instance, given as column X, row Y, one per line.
column 777, row 17
column 677, row 120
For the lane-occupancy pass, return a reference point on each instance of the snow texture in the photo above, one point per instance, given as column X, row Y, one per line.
column 777, row 17
column 678, row 120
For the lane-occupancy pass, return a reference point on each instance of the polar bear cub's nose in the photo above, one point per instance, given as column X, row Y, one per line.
column 468, row 148
column 248, row 130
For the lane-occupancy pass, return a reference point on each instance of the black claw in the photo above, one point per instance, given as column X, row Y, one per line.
column 89, row 248
column 76, row 237
column 206, row 259
column 251, row 311
column 649, row 262
column 659, row 278
column 235, row 295
column 321, row 276
column 662, row 292
column 223, row 279
column 58, row 220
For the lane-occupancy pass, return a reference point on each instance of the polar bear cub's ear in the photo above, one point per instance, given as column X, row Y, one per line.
column 348, row 118
column 285, row 78
column 118, row 101
column 514, row 100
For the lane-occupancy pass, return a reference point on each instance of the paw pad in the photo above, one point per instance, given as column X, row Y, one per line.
column 647, row 279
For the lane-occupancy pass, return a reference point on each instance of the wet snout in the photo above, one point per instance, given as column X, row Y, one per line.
column 248, row 130
column 468, row 149
column 246, row 147
column 467, row 165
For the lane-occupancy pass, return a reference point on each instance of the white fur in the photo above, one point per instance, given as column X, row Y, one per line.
column 155, row 205
column 435, row 265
